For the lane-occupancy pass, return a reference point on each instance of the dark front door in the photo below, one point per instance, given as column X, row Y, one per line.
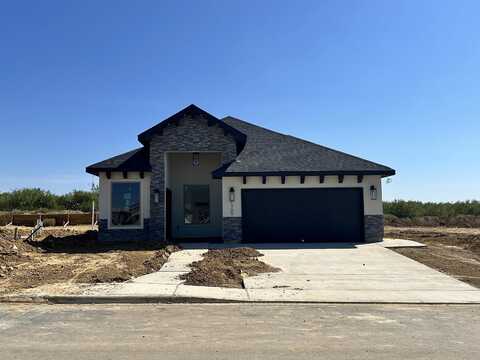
column 309, row 215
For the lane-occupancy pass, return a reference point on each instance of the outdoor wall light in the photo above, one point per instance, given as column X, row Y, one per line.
column 156, row 195
column 373, row 193
column 231, row 194
column 196, row 159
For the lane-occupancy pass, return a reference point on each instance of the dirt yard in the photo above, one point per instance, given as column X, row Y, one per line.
column 226, row 268
column 454, row 251
column 70, row 256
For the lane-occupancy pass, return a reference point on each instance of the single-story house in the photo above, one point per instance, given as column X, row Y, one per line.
column 197, row 177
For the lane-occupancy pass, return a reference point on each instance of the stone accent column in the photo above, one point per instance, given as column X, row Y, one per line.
column 157, row 185
column 232, row 229
column 373, row 225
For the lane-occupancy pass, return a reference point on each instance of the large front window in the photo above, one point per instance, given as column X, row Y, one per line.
column 196, row 204
column 125, row 204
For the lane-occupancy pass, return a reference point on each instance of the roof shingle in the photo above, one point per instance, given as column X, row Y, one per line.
column 268, row 151
column 134, row 160
column 261, row 152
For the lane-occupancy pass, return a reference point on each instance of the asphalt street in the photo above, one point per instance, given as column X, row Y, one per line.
column 239, row 331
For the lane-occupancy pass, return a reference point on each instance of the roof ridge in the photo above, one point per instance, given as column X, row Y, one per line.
column 251, row 124
column 307, row 141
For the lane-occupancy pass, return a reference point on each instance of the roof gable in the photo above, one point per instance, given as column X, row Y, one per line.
column 193, row 111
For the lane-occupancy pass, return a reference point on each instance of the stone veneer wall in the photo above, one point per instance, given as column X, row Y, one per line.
column 232, row 229
column 105, row 234
column 373, row 225
column 191, row 134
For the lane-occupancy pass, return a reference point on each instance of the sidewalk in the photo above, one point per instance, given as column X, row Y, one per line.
column 320, row 273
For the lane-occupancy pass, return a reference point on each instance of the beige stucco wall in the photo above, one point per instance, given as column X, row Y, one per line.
column 104, row 202
column 181, row 172
column 234, row 209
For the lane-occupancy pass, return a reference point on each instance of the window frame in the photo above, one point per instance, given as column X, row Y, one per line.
column 209, row 206
column 123, row 181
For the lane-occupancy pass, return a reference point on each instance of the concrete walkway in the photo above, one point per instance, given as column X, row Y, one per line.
column 335, row 272
column 366, row 273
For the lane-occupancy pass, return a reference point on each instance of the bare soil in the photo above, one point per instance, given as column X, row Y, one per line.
column 454, row 251
column 226, row 268
column 73, row 255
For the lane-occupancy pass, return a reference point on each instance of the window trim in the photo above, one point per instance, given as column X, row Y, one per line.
column 119, row 227
column 209, row 205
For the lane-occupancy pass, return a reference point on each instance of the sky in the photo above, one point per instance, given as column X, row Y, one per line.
column 397, row 82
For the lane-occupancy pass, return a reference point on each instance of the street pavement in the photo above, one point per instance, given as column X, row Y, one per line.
column 239, row 331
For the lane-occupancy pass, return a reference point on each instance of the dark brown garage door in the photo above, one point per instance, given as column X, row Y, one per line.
column 309, row 215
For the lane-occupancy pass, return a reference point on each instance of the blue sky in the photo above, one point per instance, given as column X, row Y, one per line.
column 394, row 82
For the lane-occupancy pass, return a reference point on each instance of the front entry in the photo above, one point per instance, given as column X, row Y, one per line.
column 196, row 198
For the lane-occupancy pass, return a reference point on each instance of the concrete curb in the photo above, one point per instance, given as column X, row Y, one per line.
column 154, row 299
column 81, row 299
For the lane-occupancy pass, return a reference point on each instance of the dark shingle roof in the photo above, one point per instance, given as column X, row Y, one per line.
column 260, row 152
column 268, row 152
column 135, row 160
column 194, row 112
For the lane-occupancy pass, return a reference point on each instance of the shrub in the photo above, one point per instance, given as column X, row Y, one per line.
column 411, row 209
column 30, row 199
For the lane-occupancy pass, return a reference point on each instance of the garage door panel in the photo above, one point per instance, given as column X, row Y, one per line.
column 310, row 215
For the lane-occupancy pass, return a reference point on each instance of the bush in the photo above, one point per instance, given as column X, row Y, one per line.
column 35, row 199
column 412, row 209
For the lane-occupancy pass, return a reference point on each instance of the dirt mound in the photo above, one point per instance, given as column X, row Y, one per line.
column 226, row 268
column 156, row 261
column 130, row 265
column 8, row 247
column 468, row 221
column 465, row 221
column 86, row 240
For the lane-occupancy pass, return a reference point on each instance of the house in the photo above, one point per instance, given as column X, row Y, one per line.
column 198, row 177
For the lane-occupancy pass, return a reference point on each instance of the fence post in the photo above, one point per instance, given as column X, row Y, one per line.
column 93, row 214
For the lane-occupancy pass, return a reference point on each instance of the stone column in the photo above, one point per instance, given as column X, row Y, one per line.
column 373, row 225
column 232, row 229
column 157, row 185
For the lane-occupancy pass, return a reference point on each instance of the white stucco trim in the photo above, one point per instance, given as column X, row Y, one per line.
column 234, row 209
column 105, row 196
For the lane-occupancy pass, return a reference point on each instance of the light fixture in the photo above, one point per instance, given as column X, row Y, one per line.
column 195, row 159
column 373, row 193
column 156, row 195
column 231, row 194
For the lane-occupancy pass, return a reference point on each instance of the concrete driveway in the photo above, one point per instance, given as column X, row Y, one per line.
column 353, row 273
column 329, row 273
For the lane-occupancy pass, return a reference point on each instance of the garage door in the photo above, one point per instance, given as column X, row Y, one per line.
column 309, row 215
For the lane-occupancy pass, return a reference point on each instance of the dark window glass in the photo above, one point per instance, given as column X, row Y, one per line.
column 197, row 204
column 125, row 203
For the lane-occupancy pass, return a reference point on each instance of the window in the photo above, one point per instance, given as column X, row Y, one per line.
column 196, row 204
column 125, row 204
